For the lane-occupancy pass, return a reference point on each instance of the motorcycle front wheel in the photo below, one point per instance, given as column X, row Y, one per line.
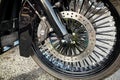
column 92, row 53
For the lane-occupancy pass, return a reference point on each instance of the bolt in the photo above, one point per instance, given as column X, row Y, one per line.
column 43, row 18
column 73, row 34
column 42, row 32
column 51, row 29
column 73, row 42
column 82, row 39
column 63, row 41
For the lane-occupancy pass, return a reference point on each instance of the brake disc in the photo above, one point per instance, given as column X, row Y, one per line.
column 83, row 39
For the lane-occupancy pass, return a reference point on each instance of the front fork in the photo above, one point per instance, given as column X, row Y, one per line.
column 52, row 17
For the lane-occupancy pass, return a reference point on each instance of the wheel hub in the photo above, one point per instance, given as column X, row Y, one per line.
column 82, row 38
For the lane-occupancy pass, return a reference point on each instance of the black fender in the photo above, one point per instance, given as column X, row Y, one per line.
column 25, row 43
column 25, row 32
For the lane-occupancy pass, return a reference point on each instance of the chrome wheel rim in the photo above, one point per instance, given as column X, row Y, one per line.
column 104, row 33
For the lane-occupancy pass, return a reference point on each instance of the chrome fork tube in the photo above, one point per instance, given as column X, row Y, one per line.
column 53, row 18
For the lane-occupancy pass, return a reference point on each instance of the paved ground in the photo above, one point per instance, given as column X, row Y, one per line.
column 15, row 67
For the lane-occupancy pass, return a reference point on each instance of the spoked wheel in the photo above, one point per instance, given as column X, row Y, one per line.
column 92, row 53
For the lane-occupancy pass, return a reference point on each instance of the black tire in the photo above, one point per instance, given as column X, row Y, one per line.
column 107, row 66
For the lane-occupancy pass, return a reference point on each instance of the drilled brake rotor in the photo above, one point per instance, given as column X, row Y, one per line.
column 82, row 41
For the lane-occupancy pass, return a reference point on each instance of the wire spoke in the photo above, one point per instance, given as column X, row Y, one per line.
column 89, row 8
column 81, row 7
